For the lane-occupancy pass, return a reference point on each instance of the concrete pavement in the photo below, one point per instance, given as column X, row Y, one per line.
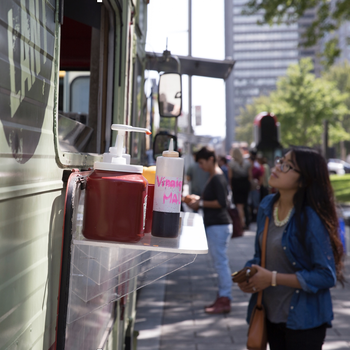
column 170, row 314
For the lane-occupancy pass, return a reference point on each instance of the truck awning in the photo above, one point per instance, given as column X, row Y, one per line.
column 190, row 65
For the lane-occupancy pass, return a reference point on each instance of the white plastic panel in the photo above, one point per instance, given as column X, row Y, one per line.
column 103, row 272
column 85, row 295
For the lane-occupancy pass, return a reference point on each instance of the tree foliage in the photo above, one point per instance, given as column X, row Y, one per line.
column 330, row 15
column 340, row 74
column 167, row 124
column 301, row 103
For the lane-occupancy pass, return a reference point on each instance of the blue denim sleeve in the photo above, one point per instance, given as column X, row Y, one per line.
column 260, row 227
column 322, row 272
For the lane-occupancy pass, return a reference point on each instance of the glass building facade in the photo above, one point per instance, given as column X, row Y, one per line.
column 263, row 53
column 343, row 34
column 344, row 42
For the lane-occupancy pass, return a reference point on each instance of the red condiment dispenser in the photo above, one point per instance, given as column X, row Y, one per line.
column 150, row 175
column 116, row 196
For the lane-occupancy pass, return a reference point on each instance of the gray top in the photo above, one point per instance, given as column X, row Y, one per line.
column 199, row 178
column 277, row 299
column 240, row 170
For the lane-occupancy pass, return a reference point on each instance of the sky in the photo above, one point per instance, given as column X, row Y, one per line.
column 168, row 20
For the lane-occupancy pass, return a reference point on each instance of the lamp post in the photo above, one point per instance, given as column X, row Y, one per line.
column 189, row 129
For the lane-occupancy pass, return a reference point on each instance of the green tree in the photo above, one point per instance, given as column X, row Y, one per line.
column 301, row 102
column 340, row 74
column 167, row 124
column 330, row 15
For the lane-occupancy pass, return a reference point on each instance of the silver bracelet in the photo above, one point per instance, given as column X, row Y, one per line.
column 274, row 277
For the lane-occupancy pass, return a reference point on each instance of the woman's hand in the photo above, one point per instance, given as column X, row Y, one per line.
column 245, row 287
column 194, row 204
column 192, row 201
column 261, row 280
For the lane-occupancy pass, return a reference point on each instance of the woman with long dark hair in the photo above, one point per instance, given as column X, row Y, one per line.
column 304, row 253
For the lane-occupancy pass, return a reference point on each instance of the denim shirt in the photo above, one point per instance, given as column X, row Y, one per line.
column 311, row 306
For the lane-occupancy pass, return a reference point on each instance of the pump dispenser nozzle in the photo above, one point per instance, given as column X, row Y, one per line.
column 119, row 143
column 118, row 161
column 170, row 152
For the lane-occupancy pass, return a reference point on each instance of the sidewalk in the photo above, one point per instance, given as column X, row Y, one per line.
column 170, row 314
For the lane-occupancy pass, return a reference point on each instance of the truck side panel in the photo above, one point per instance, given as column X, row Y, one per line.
column 31, row 189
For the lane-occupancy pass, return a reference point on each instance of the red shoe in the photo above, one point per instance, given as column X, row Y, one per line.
column 222, row 305
column 212, row 304
column 209, row 306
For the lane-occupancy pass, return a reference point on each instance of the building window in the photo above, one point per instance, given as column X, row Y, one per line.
column 263, row 28
column 266, row 36
column 264, row 64
column 265, row 45
column 239, row 55
column 259, row 73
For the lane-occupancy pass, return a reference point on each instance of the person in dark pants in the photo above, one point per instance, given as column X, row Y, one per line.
column 218, row 227
column 240, row 181
column 257, row 172
column 264, row 187
column 303, row 253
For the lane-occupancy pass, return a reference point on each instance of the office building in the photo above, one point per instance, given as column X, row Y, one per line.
column 263, row 53
column 344, row 42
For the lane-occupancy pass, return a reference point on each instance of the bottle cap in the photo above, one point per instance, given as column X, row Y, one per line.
column 170, row 152
column 116, row 160
column 150, row 174
column 107, row 157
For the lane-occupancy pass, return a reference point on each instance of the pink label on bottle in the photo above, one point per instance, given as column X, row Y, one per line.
column 167, row 194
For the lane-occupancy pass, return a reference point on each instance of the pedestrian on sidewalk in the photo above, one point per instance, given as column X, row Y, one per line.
column 218, row 226
column 264, row 187
column 196, row 177
column 240, row 176
column 222, row 162
column 304, row 253
column 257, row 174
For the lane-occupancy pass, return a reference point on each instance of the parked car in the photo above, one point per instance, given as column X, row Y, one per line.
column 338, row 166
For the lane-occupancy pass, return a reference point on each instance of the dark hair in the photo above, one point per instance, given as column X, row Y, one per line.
column 316, row 192
column 253, row 153
column 223, row 159
column 205, row 153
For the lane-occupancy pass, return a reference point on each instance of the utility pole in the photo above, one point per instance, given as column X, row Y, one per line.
column 325, row 139
column 189, row 129
column 230, row 119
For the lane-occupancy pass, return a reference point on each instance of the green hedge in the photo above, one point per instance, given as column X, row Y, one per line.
column 341, row 187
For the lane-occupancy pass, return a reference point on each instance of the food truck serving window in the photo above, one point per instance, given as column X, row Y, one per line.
column 85, row 88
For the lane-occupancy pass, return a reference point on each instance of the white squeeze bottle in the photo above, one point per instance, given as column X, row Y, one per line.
column 167, row 194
